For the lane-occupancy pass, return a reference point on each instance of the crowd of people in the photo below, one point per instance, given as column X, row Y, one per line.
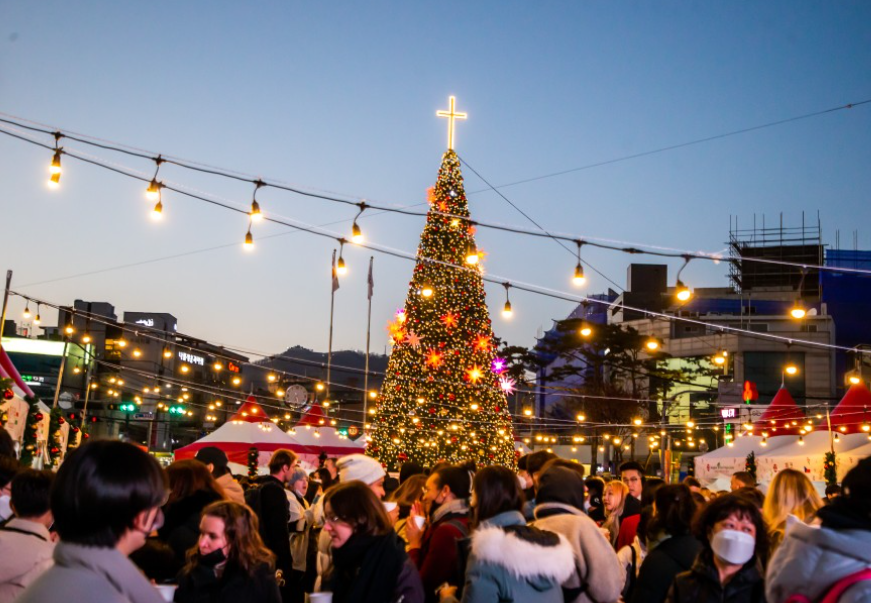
column 112, row 525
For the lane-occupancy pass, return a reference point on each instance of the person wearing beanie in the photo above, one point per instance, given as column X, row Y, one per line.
column 216, row 460
column 598, row 574
column 364, row 469
column 812, row 560
column 354, row 467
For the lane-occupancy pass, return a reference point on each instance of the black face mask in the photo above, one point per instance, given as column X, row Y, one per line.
column 213, row 558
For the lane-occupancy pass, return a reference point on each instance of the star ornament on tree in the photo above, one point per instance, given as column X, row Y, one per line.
column 449, row 319
column 412, row 339
column 474, row 374
column 433, row 359
column 499, row 365
column 508, row 384
column 482, row 344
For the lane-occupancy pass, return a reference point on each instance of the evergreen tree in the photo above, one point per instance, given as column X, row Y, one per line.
column 443, row 395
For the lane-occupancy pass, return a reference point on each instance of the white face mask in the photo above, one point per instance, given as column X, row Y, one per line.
column 733, row 546
column 5, row 506
column 524, row 483
column 587, row 505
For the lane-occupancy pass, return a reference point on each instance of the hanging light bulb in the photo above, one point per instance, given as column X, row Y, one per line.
column 798, row 310
column 586, row 330
column 152, row 193
column 507, row 312
column 255, row 214
column 579, row 279
column 54, row 169
column 36, row 320
column 249, row 240
column 157, row 212
column 341, row 267
column 720, row 359
column 652, row 344
column 791, row 369
column 472, row 254
column 356, row 233
column 682, row 292
column 86, row 338
column 27, row 311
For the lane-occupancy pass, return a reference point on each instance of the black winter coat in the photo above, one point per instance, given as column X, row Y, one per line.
column 702, row 584
column 181, row 526
column 662, row 564
column 201, row 585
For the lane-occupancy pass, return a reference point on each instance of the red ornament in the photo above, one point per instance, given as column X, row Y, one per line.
column 402, row 456
column 61, row 421
column 432, row 411
column 39, row 416
column 8, row 394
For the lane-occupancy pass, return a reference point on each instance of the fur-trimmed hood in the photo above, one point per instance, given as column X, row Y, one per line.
column 539, row 557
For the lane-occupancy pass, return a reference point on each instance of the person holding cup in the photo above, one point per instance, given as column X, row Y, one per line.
column 230, row 563
column 369, row 560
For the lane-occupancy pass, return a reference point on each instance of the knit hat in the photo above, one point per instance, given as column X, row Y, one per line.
column 561, row 485
column 359, row 467
column 212, row 455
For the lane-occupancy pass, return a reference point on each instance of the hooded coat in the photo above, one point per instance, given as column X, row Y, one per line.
column 512, row 562
column 811, row 559
column 25, row 553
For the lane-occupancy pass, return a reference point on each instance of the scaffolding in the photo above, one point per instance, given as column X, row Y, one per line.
column 793, row 244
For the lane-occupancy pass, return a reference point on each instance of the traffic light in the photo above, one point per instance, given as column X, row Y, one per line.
column 177, row 410
column 127, row 407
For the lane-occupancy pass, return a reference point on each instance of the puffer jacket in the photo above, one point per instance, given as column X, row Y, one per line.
column 812, row 559
column 510, row 561
column 666, row 560
column 702, row 584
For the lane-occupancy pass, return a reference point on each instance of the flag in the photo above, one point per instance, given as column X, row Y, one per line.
column 370, row 280
column 335, row 274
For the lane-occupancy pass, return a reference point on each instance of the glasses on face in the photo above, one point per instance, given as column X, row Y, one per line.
column 334, row 520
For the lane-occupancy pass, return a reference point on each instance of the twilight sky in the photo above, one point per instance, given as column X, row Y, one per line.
column 341, row 96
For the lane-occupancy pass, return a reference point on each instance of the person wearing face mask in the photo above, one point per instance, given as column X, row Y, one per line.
column 369, row 560
column 728, row 570
column 446, row 508
column 593, row 503
column 230, row 563
column 105, row 501
column 298, row 526
column 9, row 467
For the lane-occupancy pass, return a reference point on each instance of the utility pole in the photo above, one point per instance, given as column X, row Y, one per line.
column 5, row 302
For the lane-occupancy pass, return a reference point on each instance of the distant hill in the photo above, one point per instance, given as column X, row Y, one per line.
column 347, row 367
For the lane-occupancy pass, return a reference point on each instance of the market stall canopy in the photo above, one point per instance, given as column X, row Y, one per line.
column 851, row 412
column 779, row 416
column 807, row 454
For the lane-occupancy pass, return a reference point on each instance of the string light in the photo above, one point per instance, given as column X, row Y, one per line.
column 36, row 319
column 579, row 279
column 167, row 353
column 652, row 344
column 55, row 169
column 157, row 212
column 507, row 312
column 472, row 256
column 27, row 311
column 586, row 330
column 791, row 369
column 682, row 292
column 341, row 267
column 798, row 310
column 255, row 214
column 357, row 234
column 152, row 193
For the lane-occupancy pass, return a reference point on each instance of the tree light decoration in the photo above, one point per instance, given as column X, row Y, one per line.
column 507, row 384
column 456, row 328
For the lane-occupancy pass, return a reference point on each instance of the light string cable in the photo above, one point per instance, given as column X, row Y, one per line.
column 629, row 248
column 522, row 421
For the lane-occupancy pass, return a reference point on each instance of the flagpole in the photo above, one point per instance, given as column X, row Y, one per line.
column 333, row 287
column 371, row 284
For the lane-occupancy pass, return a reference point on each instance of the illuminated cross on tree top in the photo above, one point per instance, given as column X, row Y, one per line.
column 451, row 115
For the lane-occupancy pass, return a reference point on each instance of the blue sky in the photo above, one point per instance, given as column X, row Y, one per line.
column 342, row 96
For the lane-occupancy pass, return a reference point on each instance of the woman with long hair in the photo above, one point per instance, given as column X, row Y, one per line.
column 671, row 548
column 191, row 489
column 510, row 561
column 790, row 493
column 614, row 500
column 229, row 564
column 729, row 568
column 405, row 496
column 369, row 563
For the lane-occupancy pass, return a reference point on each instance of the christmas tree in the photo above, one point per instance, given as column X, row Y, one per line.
column 444, row 393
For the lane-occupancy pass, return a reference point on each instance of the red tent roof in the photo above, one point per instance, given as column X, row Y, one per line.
column 313, row 417
column 251, row 412
column 850, row 411
column 781, row 410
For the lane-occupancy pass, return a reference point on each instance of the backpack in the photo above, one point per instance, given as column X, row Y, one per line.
column 835, row 590
column 253, row 498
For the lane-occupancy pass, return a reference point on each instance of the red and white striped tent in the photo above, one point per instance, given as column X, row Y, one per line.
column 314, row 435
column 249, row 427
column 852, row 411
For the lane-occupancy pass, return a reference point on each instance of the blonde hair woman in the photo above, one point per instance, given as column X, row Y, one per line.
column 614, row 500
column 790, row 493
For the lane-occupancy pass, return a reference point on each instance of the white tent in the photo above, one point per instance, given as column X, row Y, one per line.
column 808, row 455
column 726, row 460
